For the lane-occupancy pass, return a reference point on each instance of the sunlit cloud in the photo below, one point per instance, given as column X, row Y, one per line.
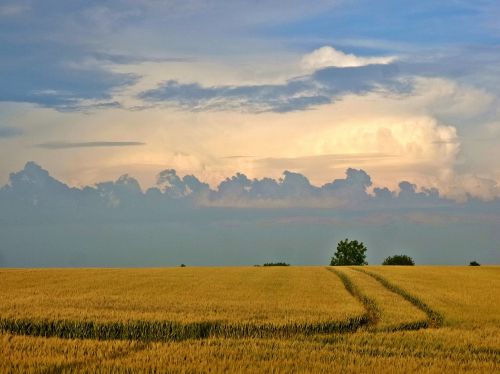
column 328, row 56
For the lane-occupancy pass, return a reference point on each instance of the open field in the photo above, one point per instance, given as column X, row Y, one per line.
column 466, row 339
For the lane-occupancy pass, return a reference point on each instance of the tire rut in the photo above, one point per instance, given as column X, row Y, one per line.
column 434, row 318
column 374, row 313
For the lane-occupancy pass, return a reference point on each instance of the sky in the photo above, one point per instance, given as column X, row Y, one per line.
column 319, row 120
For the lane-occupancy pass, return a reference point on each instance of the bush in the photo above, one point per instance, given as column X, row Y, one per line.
column 474, row 263
column 276, row 264
column 349, row 252
column 399, row 260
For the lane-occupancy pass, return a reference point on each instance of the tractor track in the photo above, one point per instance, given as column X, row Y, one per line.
column 374, row 313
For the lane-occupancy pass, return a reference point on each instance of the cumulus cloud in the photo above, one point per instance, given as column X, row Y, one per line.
column 171, row 185
column 35, row 187
column 328, row 56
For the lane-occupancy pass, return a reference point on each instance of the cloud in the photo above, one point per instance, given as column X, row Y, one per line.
column 62, row 56
column 9, row 132
column 66, row 145
column 306, row 162
column 52, row 76
column 328, row 56
column 170, row 184
column 44, row 64
column 322, row 87
column 35, row 185
column 127, row 59
column 453, row 73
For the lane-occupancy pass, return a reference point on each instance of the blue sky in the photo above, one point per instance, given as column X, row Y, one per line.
column 405, row 91
column 421, row 24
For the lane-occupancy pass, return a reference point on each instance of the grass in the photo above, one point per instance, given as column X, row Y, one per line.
column 466, row 341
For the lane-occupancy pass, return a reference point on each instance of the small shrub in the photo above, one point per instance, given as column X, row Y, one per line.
column 399, row 260
column 474, row 263
column 182, row 265
column 276, row 264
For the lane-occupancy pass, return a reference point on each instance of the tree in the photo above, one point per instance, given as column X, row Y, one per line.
column 399, row 260
column 474, row 263
column 349, row 252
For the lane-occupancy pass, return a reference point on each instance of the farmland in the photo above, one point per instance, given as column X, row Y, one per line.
column 306, row 319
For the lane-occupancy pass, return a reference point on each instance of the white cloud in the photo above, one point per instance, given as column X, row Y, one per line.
column 329, row 56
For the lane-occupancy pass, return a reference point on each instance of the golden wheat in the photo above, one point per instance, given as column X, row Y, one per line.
column 277, row 295
column 423, row 351
column 467, row 299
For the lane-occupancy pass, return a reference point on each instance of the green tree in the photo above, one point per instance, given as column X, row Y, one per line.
column 474, row 263
column 398, row 260
column 349, row 252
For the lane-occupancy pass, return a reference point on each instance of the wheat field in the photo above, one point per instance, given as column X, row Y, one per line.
column 397, row 310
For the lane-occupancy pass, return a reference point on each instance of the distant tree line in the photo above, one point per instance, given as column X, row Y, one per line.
column 353, row 253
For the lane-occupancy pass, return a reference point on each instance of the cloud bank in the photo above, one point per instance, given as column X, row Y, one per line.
column 45, row 222
column 34, row 188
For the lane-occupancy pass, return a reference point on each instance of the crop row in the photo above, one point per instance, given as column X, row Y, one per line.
column 167, row 330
